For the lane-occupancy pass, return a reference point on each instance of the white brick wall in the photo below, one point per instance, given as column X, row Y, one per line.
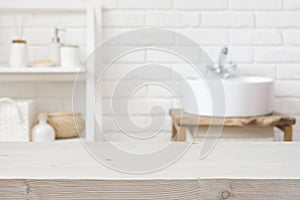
column 232, row 19
column 291, row 4
column 254, row 4
column 200, row 4
column 255, row 37
column 263, row 37
column 291, row 37
column 145, row 4
column 278, row 19
column 172, row 19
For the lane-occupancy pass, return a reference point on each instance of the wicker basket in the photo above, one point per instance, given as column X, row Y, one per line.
column 64, row 124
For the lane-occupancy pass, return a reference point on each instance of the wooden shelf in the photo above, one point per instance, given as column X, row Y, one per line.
column 41, row 74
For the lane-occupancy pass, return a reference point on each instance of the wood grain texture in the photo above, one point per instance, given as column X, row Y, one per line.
column 288, row 132
column 151, row 189
column 184, row 119
column 240, row 170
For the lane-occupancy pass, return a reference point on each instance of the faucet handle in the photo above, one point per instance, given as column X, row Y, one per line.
column 213, row 68
column 231, row 69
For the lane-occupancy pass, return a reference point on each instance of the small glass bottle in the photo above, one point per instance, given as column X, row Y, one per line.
column 54, row 48
column 43, row 131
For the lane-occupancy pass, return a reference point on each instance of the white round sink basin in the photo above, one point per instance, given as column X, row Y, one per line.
column 245, row 96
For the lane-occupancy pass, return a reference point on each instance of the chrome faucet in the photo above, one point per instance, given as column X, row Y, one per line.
column 223, row 59
column 225, row 69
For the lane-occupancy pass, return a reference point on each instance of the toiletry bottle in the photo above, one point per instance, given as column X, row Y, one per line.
column 18, row 54
column 70, row 57
column 54, row 48
column 43, row 131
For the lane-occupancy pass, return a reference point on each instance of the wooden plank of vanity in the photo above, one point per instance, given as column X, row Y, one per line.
column 241, row 170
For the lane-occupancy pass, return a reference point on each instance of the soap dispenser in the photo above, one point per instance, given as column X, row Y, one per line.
column 54, row 48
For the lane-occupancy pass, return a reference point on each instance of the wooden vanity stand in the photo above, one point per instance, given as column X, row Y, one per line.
column 181, row 121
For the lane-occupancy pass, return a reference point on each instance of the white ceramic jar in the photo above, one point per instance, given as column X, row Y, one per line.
column 18, row 54
column 69, row 56
column 43, row 131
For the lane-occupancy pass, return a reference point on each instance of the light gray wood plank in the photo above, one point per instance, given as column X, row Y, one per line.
column 240, row 170
column 150, row 189
column 227, row 160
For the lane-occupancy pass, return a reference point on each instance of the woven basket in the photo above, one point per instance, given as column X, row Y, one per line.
column 64, row 124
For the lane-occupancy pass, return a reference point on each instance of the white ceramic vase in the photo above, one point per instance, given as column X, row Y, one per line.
column 43, row 131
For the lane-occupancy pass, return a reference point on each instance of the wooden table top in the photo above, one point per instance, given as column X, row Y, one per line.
column 228, row 160
column 184, row 119
column 233, row 170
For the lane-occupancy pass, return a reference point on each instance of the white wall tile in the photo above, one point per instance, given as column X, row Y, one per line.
column 288, row 71
column 184, row 70
column 4, row 54
column 162, row 56
column 227, row 19
column 287, row 88
column 277, row 54
column 291, row 4
column 117, row 71
column 124, row 18
column 108, row 32
column 38, row 35
column 54, row 89
column 287, row 105
column 74, row 36
column 109, row 88
column 136, row 106
column 110, row 4
column 79, row 105
column 9, row 19
column 277, row 19
column 254, row 4
column 162, row 91
column 200, row 4
column 7, row 35
column 255, row 37
column 144, row 106
column 241, row 54
column 18, row 90
column 61, row 20
column 291, row 37
column 145, row 4
column 268, row 70
column 50, row 105
column 172, row 19
column 207, row 36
